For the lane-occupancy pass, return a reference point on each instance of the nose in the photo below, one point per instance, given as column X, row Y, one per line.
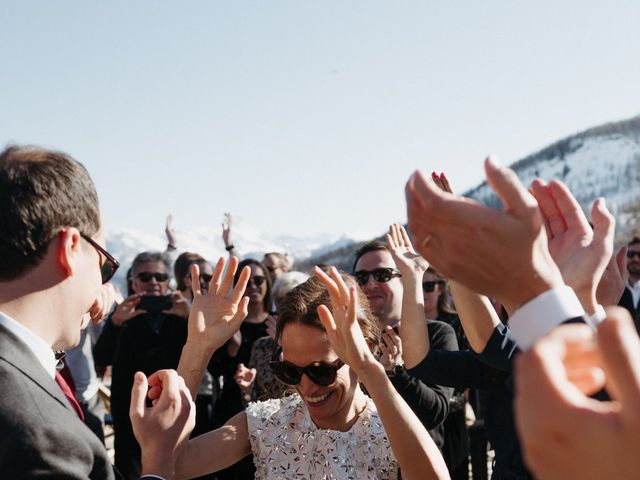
column 306, row 387
column 371, row 283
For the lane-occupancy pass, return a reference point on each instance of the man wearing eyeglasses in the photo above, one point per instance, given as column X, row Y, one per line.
column 631, row 294
column 51, row 275
column 376, row 272
column 141, row 335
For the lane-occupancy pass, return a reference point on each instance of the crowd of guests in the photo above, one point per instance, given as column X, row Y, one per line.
column 442, row 340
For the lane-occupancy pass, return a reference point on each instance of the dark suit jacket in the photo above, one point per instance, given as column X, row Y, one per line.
column 145, row 346
column 41, row 435
column 626, row 301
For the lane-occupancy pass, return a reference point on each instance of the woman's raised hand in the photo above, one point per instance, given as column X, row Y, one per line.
column 342, row 325
column 215, row 315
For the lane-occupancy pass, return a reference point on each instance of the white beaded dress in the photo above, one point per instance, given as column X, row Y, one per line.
column 286, row 444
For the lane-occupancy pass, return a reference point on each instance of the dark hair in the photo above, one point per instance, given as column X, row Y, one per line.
column 182, row 266
column 635, row 240
column 146, row 257
column 301, row 304
column 372, row 246
column 445, row 304
column 41, row 191
column 252, row 261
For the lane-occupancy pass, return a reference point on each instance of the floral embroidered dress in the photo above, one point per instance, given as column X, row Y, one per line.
column 286, row 444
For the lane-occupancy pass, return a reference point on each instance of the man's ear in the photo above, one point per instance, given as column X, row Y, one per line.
column 68, row 249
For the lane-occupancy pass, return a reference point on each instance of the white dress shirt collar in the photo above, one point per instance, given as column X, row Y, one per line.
column 39, row 347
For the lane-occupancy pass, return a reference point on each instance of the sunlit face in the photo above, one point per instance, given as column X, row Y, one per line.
column 385, row 298
column 254, row 291
column 152, row 286
column 328, row 406
column 633, row 263
column 431, row 298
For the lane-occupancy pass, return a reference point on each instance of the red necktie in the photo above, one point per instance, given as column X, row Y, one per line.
column 67, row 393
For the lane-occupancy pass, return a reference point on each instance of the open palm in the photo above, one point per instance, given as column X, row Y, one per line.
column 215, row 315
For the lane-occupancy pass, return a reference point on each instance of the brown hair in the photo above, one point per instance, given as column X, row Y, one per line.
column 372, row 246
column 301, row 304
column 182, row 266
column 266, row 303
column 41, row 192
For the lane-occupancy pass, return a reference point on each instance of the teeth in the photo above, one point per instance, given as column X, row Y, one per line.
column 318, row 398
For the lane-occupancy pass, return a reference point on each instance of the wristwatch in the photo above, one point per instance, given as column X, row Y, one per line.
column 395, row 371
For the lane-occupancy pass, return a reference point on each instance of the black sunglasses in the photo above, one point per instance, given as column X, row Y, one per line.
column 631, row 254
column 380, row 275
column 320, row 373
column 257, row 279
column 430, row 286
column 110, row 265
column 204, row 278
column 147, row 276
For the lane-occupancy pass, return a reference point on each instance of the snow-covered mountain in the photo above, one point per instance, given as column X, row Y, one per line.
column 602, row 161
column 207, row 241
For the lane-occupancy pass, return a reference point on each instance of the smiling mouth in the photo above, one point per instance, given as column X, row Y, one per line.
column 318, row 400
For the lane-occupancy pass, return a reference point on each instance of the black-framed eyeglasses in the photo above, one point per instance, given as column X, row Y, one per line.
column 257, row 279
column 320, row 373
column 633, row 253
column 147, row 276
column 380, row 275
column 109, row 266
column 430, row 285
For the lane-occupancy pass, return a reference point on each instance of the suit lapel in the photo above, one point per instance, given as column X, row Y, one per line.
column 18, row 354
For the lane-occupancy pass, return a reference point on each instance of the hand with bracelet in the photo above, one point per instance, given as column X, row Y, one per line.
column 391, row 352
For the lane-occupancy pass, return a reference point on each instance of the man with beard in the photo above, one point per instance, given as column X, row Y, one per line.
column 376, row 272
column 631, row 294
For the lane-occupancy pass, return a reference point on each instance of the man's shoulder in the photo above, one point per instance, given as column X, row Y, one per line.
column 46, row 435
column 442, row 335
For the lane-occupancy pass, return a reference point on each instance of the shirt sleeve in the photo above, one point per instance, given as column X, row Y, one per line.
column 500, row 349
column 539, row 316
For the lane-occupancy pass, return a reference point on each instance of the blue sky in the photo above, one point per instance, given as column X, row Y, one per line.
column 304, row 117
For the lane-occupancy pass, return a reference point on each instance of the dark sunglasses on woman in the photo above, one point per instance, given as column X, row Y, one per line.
column 430, row 286
column 257, row 279
column 380, row 275
column 320, row 373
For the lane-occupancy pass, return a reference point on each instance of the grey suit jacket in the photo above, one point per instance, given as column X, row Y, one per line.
column 40, row 434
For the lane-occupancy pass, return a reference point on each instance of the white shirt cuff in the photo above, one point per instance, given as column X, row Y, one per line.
column 539, row 316
column 598, row 316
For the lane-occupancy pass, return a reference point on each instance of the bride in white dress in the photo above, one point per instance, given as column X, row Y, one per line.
column 329, row 429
